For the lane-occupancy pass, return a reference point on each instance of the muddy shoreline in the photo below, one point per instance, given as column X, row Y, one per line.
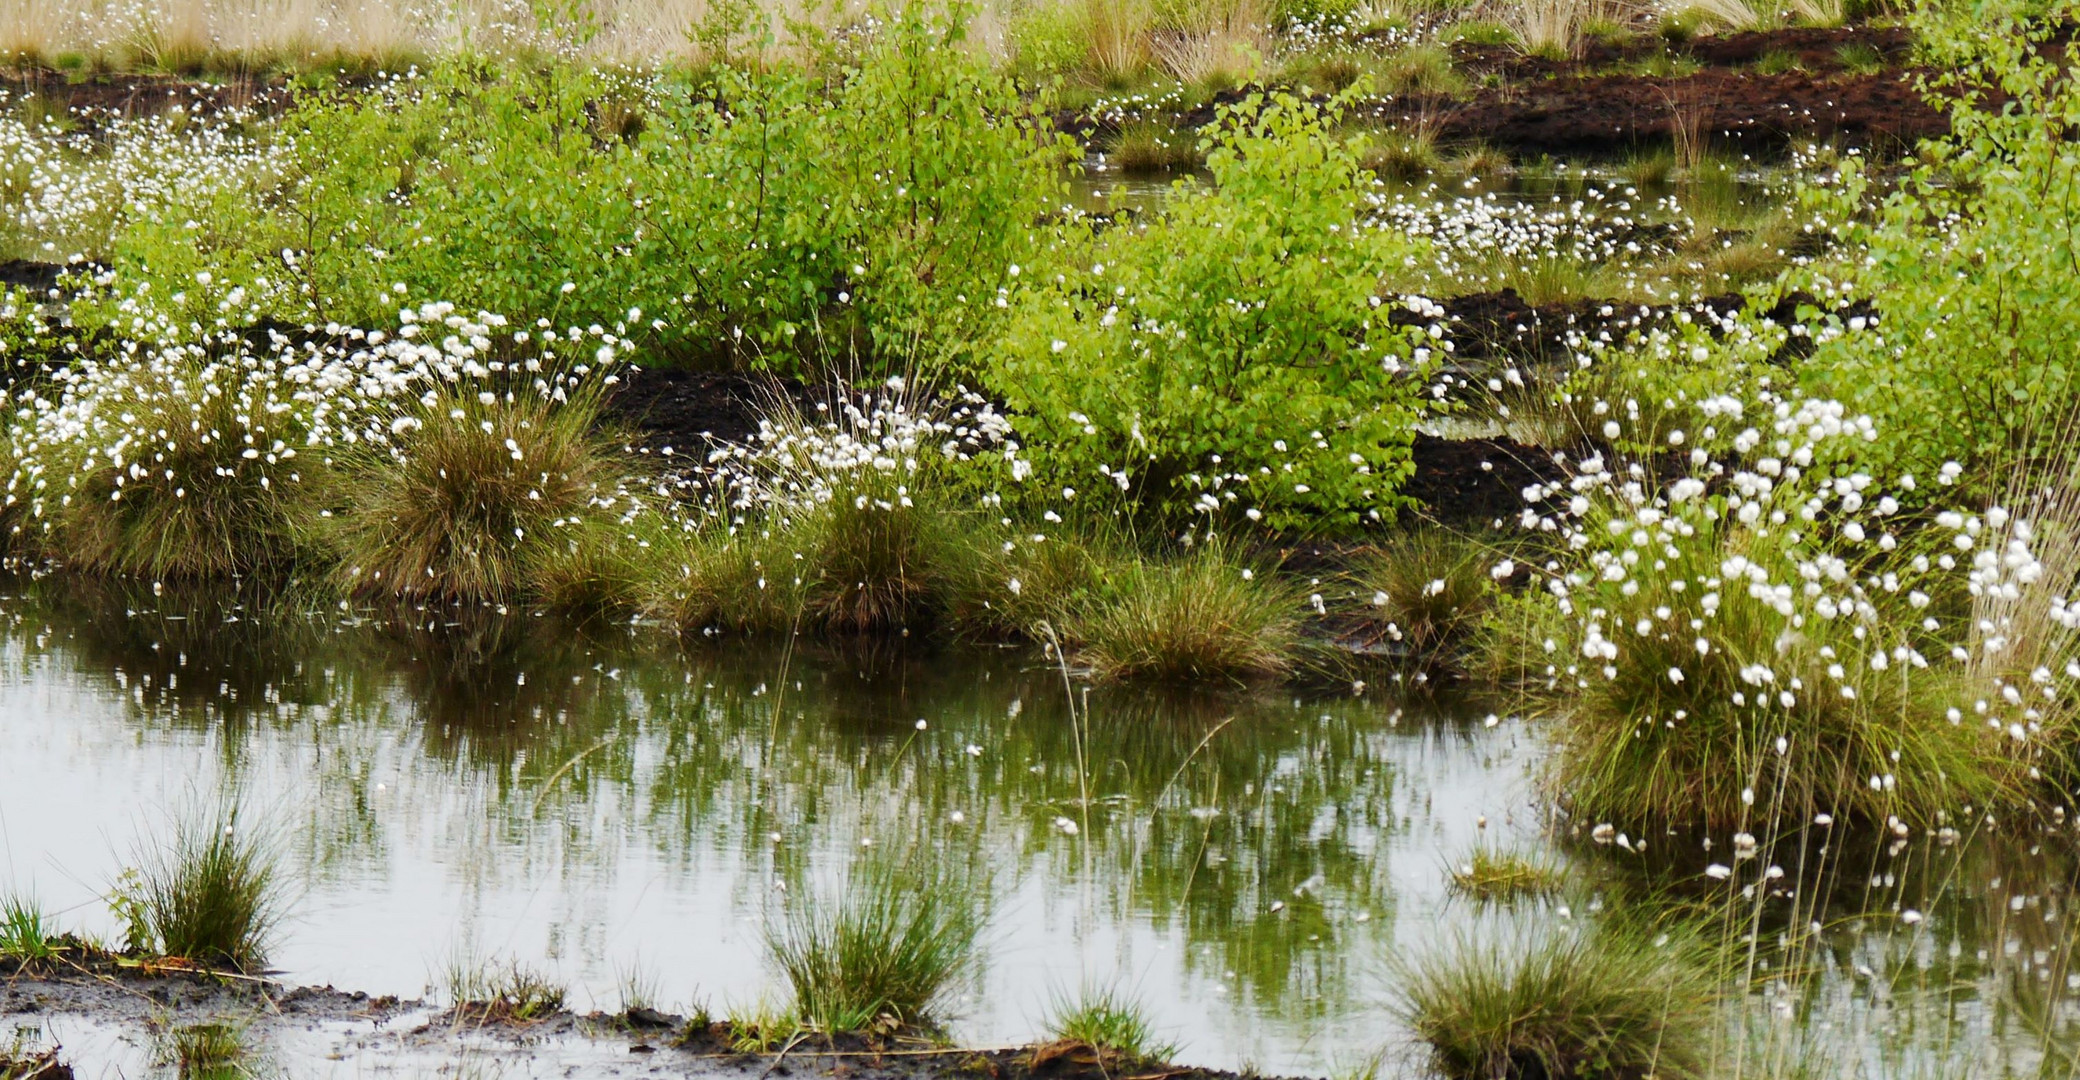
column 340, row 1024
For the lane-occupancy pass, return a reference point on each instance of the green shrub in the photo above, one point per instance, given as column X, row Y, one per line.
column 1565, row 1002
column 1970, row 260
column 764, row 215
column 1232, row 355
column 886, row 948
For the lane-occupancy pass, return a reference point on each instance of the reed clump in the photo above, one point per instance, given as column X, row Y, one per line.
column 211, row 893
column 1564, row 1002
column 1107, row 1019
column 882, row 951
column 1207, row 617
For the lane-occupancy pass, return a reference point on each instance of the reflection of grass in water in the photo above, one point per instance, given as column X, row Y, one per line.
column 883, row 951
column 198, row 1051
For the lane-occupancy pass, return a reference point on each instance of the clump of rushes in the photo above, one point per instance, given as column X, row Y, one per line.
column 1150, row 146
column 883, row 951
column 1491, row 876
column 1563, row 1002
column 1103, row 1017
column 1205, row 616
column 1424, row 591
column 510, row 992
column 1420, row 69
column 1402, row 155
column 473, row 495
column 210, row 894
column 713, row 577
column 28, row 937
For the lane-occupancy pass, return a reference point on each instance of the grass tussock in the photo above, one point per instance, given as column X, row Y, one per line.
column 1491, row 876
column 219, row 495
column 1149, row 146
column 28, row 936
column 476, row 496
column 1426, row 591
column 882, row 952
column 1105, row 1018
column 508, row 992
column 1207, row 617
column 1563, row 1002
column 211, row 893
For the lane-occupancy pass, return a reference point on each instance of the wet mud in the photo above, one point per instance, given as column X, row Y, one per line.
column 322, row 1023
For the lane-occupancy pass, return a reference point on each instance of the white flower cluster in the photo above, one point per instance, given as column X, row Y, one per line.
column 873, row 449
column 1677, row 574
column 144, row 413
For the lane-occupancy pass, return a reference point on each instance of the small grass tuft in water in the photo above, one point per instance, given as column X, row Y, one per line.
column 1204, row 617
column 883, row 952
column 1491, row 876
column 211, row 893
column 510, row 992
column 1105, row 1018
column 1147, row 146
column 1562, row 1002
column 28, row 936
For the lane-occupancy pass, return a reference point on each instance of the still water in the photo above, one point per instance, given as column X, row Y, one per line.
column 1255, row 868
column 611, row 802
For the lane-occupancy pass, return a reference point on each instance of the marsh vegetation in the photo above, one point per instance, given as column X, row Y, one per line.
column 1661, row 414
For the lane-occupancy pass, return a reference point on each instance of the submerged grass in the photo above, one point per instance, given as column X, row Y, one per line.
column 210, row 893
column 883, row 951
column 1491, row 876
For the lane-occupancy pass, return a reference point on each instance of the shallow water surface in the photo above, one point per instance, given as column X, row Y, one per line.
column 607, row 803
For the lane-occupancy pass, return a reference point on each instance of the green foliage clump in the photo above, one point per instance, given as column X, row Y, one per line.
column 884, row 950
column 1970, row 259
column 1427, row 590
column 211, row 894
column 1492, row 876
column 27, row 934
column 1233, row 354
column 1565, row 1002
column 1105, row 1018
column 868, row 203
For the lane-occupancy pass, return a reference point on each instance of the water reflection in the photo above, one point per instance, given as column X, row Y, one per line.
column 464, row 777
